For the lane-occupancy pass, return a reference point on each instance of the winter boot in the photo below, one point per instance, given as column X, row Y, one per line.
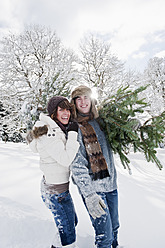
column 116, row 245
column 67, row 246
column 55, row 246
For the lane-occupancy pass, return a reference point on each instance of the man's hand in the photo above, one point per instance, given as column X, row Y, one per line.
column 95, row 205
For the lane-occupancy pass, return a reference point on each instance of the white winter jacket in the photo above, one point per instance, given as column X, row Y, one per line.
column 56, row 153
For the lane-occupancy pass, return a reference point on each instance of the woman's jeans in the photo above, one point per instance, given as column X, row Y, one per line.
column 63, row 211
column 106, row 227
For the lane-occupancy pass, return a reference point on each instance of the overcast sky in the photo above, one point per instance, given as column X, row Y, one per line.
column 135, row 28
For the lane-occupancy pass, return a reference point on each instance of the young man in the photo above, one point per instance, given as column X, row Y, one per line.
column 94, row 172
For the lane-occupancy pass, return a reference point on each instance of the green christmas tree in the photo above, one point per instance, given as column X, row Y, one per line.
column 123, row 129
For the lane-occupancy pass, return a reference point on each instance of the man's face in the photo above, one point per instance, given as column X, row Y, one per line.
column 83, row 104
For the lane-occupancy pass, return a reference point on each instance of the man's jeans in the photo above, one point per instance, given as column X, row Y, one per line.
column 64, row 214
column 106, row 227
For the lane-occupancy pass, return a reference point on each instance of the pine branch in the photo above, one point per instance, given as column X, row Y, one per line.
column 124, row 132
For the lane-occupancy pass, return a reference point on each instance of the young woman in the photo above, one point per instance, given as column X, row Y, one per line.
column 54, row 137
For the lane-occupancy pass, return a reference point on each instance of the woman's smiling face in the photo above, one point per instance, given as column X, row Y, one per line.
column 63, row 115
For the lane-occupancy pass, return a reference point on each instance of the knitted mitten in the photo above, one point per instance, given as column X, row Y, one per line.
column 95, row 205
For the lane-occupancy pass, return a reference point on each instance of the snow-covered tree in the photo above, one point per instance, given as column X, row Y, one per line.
column 99, row 67
column 10, row 129
column 154, row 75
column 34, row 66
column 3, row 113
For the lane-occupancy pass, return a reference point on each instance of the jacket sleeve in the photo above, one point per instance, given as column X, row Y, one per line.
column 33, row 145
column 63, row 153
column 80, row 171
column 32, row 142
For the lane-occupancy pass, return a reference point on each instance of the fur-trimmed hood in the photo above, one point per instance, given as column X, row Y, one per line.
column 80, row 91
column 45, row 125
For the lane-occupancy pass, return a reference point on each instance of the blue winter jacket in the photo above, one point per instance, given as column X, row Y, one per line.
column 81, row 168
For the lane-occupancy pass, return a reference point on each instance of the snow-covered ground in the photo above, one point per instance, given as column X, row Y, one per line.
column 25, row 222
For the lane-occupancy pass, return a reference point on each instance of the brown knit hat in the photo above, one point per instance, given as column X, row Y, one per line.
column 54, row 102
column 80, row 91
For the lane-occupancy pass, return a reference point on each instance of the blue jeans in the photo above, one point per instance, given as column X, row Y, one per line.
column 63, row 211
column 106, row 227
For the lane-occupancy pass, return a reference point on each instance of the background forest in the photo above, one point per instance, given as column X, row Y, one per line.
column 35, row 65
